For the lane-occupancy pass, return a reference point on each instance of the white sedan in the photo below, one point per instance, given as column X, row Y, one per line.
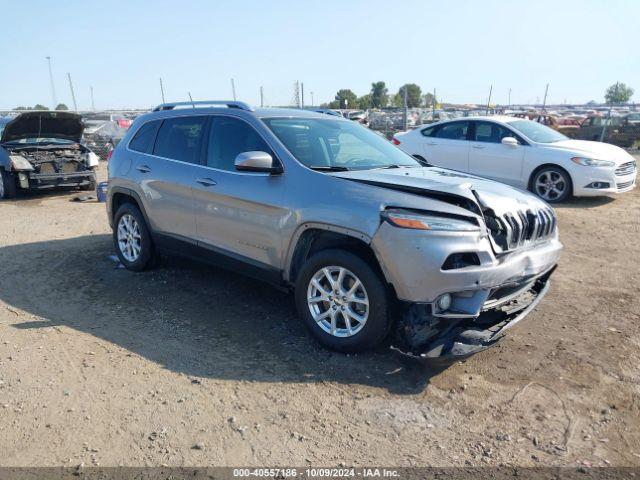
column 524, row 154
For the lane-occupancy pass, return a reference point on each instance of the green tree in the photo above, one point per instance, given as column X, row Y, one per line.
column 345, row 98
column 379, row 95
column 618, row 93
column 39, row 106
column 61, row 106
column 429, row 99
column 364, row 102
column 22, row 108
column 414, row 95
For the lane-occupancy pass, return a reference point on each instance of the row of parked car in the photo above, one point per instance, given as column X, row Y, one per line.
column 376, row 242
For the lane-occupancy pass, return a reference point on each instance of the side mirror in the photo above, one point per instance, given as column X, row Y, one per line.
column 510, row 141
column 256, row 162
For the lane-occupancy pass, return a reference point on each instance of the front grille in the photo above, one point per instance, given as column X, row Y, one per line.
column 626, row 168
column 623, row 185
column 523, row 228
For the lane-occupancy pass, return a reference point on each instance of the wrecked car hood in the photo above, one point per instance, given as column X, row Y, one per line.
column 59, row 125
column 437, row 181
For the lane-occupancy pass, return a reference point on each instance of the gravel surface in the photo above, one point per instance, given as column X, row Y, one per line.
column 190, row 365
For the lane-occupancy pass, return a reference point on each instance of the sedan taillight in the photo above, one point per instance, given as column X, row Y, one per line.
column 395, row 141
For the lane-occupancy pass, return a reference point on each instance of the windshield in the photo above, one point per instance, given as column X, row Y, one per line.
column 337, row 145
column 537, row 132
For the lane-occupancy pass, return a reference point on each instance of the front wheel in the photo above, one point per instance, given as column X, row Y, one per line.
column 552, row 184
column 343, row 301
column 8, row 185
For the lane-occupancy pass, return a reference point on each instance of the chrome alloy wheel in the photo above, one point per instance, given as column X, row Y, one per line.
column 550, row 185
column 338, row 301
column 129, row 238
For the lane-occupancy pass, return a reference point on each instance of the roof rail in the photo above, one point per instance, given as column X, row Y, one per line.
column 204, row 103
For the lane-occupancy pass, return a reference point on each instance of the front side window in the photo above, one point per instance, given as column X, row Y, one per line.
column 537, row 132
column 144, row 137
column 337, row 145
column 228, row 137
column 180, row 138
column 453, row 131
column 491, row 132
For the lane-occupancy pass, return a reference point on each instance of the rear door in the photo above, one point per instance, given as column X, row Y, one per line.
column 446, row 145
column 238, row 214
column 167, row 174
column 488, row 157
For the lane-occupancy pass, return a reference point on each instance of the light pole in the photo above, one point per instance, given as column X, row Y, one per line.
column 53, row 87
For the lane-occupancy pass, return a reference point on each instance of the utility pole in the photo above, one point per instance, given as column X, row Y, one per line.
column 162, row 90
column 73, row 95
column 261, row 97
column 405, row 115
column 312, row 102
column 302, row 95
column 233, row 89
column 509, row 104
column 433, row 106
column 489, row 100
column 53, row 87
column 93, row 105
column 544, row 102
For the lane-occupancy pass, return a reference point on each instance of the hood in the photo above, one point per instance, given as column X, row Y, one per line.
column 454, row 187
column 597, row 150
column 61, row 125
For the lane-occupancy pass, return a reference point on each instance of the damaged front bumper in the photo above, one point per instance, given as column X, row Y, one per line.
column 441, row 340
column 30, row 180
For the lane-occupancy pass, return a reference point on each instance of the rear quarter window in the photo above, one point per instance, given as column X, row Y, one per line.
column 143, row 140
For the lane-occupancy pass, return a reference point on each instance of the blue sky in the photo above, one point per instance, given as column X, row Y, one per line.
column 121, row 48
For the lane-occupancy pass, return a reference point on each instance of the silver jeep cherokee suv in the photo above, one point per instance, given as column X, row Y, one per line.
column 374, row 244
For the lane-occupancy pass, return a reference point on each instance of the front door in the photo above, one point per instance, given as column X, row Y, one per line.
column 238, row 213
column 489, row 157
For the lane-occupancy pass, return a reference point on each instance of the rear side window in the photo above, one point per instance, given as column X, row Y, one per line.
column 180, row 138
column 429, row 131
column 143, row 139
column 229, row 137
column 453, row 131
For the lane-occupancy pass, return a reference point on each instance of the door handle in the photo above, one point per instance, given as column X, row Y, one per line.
column 143, row 168
column 478, row 146
column 207, row 182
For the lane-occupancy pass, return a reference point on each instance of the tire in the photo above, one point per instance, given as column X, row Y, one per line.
column 362, row 335
column 558, row 184
column 8, row 185
column 135, row 259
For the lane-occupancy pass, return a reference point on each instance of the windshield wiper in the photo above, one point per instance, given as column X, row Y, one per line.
column 329, row 168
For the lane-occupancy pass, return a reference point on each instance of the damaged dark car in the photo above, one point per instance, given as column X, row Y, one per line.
column 42, row 149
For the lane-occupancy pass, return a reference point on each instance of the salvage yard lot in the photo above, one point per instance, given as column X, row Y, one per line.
column 190, row 365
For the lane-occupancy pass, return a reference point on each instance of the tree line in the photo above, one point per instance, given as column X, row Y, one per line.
column 379, row 97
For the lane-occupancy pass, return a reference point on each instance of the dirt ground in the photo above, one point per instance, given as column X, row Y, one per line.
column 188, row 365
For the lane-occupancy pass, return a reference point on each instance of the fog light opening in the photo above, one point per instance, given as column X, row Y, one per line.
column 443, row 302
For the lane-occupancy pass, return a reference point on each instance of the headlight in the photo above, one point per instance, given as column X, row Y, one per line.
column 417, row 221
column 92, row 160
column 18, row 162
column 592, row 162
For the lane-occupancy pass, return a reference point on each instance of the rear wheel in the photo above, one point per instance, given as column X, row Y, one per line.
column 131, row 238
column 552, row 184
column 343, row 301
column 8, row 184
